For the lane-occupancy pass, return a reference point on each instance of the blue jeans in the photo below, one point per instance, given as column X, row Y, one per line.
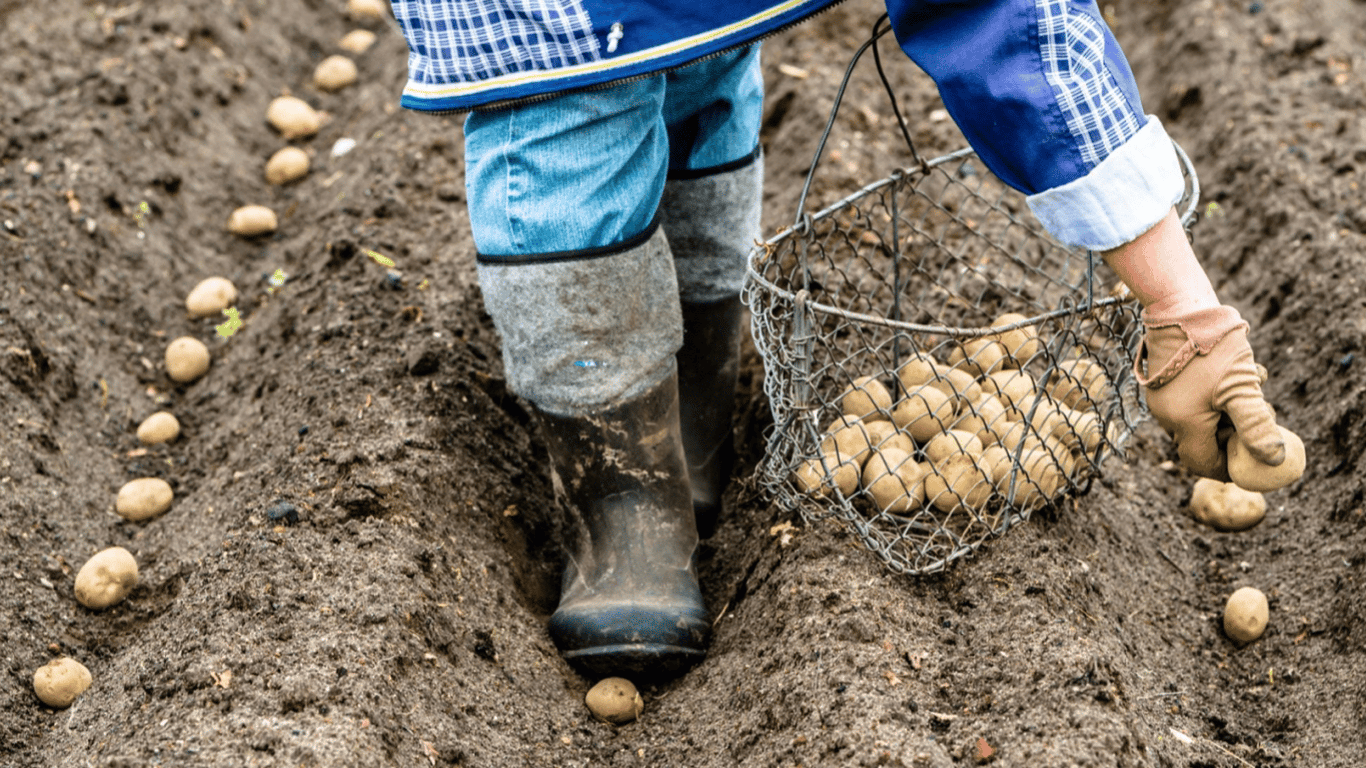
column 586, row 170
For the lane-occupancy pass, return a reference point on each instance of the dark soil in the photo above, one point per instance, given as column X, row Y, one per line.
column 399, row 621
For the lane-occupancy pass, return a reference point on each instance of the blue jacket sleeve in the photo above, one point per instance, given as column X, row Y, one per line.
column 1045, row 96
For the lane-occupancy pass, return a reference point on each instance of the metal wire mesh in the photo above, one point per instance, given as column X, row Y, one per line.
column 937, row 366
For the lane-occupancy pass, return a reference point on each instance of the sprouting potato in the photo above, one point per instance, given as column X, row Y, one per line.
column 957, row 383
column 334, row 73
column 866, row 397
column 160, row 427
column 924, row 413
column 60, row 681
column 357, row 41
column 252, row 220
column 293, row 117
column 210, row 296
column 1225, row 506
column 286, row 165
column 958, row 481
column 894, row 480
column 1253, row 475
column 979, row 356
column 106, row 578
column 186, row 359
column 1245, row 615
column 143, row 498
column 1020, row 344
column 944, row 444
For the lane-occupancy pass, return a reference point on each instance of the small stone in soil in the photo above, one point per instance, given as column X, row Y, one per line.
column 283, row 510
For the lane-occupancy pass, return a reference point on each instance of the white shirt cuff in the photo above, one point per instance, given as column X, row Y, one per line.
column 1125, row 195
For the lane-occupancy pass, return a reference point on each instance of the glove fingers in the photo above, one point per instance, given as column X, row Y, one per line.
column 1256, row 425
column 1200, row 453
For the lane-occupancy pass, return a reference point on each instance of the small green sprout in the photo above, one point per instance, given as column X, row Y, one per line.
column 230, row 327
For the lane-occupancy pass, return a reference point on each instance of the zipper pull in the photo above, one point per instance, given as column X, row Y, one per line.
column 614, row 36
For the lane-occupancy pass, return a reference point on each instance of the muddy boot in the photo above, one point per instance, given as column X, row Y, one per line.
column 708, row 368
column 630, row 603
column 712, row 219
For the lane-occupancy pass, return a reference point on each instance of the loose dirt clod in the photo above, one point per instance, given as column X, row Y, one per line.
column 106, row 578
column 334, row 73
column 210, row 297
column 186, row 359
column 144, row 498
column 614, row 700
column 1245, row 615
column 252, row 220
column 160, row 427
column 288, row 164
column 60, row 681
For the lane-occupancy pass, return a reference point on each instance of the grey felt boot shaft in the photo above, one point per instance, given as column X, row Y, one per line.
column 712, row 222
column 582, row 333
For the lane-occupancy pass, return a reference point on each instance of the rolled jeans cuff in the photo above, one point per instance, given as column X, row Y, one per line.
column 1125, row 195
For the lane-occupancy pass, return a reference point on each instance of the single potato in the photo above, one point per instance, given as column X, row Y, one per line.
column 945, row 444
column 106, row 578
column 1253, row 475
column 210, row 297
column 844, row 476
column 866, row 398
column 357, row 41
column 614, row 700
column 894, row 480
column 160, row 427
column 293, row 117
column 979, row 356
column 1020, row 344
column 957, row 482
column 955, row 382
column 60, row 681
column 1015, row 389
column 286, row 165
column 186, row 359
column 143, row 499
column 334, row 73
column 917, row 372
column 924, row 413
column 1245, row 615
column 1079, row 382
column 253, row 220
column 367, row 10
column 1225, row 506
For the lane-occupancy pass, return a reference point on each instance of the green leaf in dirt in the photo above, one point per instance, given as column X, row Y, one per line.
column 380, row 258
column 230, row 327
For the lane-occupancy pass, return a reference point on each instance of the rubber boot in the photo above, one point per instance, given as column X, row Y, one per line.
column 708, row 370
column 630, row 603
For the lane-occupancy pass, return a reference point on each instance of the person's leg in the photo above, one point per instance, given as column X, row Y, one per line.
column 578, row 278
column 710, row 210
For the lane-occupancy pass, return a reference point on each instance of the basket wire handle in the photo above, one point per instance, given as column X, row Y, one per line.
column 802, row 221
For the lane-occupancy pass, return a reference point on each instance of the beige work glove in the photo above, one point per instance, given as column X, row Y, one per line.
column 1199, row 378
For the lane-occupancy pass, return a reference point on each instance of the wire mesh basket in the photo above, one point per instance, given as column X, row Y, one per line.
column 938, row 367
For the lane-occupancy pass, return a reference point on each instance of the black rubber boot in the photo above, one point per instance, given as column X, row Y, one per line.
column 630, row 603
column 708, row 369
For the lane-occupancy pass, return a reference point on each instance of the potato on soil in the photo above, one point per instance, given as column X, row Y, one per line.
column 334, row 73
column 186, row 359
column 288, row 164
column 866, row 397
column 1019, row 344
column 924, row 413
column 1251, row 474
column 614, row 700
column 357, row 41
column 60, row 681
column 210, row 296
column 293, row 117
column 1225, row 506
column 894, row 480
column 957, row 481
column 1245, row 615
column 979, row 356
column 367, row 10
column 252, row 220
column 143, row 498
column 945, row 444
column 160, row 427
column 106, row 578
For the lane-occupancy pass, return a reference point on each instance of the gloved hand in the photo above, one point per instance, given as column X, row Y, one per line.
column 1198, row 375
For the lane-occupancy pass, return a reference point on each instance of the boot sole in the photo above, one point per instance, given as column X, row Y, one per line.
column 634, row 660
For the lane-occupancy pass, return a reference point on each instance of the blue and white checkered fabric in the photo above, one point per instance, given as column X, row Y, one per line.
column 1073, row 49
column 452, row 41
